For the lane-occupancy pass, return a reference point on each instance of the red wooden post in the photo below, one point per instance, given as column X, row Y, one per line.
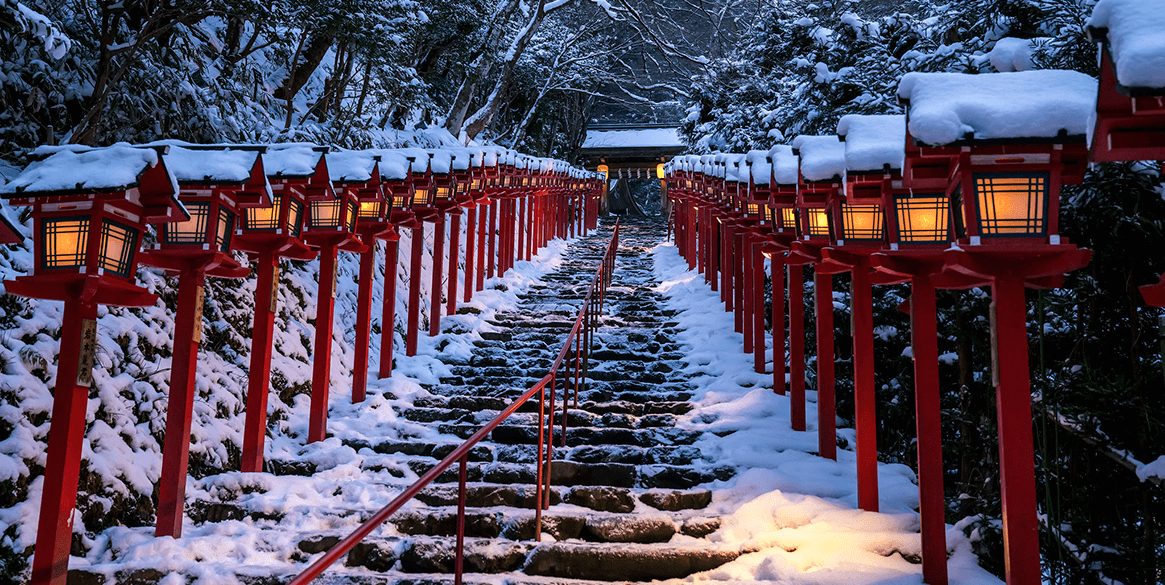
column 1021, row 538
column 826, row 398
column 737, row 265
column 928, row 425
column 470, row 252
column 744, row 272
column 780, row 383
column 454, row 260
column 758, row 308
column 866, row 421
column 413, row 331
column 54, row 534
column 482, row 229
column 322, row 346
column 259, row 377
column 690, row 234
column 438, row 270
column 796, row 338
column 388, row 303
column 493, row 247
column 364, row 319
column 180, row 404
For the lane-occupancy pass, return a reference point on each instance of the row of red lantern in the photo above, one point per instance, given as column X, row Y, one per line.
column 970, row 212
column 90, row 208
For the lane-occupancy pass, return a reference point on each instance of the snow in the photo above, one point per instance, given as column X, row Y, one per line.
column 1012, row 54
column 441, row 161
column 115, row 167
column 393, row 165
column 210, row 166
column 420, row 164
column 642, row 138
column 822, row 157
column 761, row 166
column 354, row 166
column 735, row 169
column 785, row 164
column 1135, row 39
column 56, row 43
column 873, row 142
column 292, row 160
column 1155, row 469
column 794, row 513
column 948, row 107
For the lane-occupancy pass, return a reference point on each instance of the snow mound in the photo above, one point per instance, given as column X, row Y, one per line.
column 948, row 107
column 1134, row 34
column 1012, row 54
column 351, row 165
column 822, row 157
column 211, row 166
column 785, row 164
column 872, row 142
column 114, row 168
column 644, row 138
column 292, row 160
column 761, row 166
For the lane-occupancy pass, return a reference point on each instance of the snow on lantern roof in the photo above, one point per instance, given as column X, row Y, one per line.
column 476, row 156
column 822, row 157
column 638, row 138
column 493, row 155
column 85, row 169
column 394, row 166
column 785, row 164
column 760, row 165
column 736, row 170
column 351, row 166
column 199, row 166
column 1134, row 32
column 873, row 143
column 420, row 158
column 945, row 108
column 441, row 161
column 292, row 160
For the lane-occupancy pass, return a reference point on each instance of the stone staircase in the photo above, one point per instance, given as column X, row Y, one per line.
column 626, row 498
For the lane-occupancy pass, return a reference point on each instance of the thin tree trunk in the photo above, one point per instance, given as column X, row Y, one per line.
column 290, row 96
column 364, row 86
column 484, row 116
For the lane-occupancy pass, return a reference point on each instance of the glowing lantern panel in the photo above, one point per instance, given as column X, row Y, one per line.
column 1012, row 204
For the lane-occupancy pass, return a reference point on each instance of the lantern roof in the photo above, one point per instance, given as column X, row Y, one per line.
column 873, row 143
column 822, row 157
column 785, row 164
column 440, row 161
column 957, row 108
column 351, row 166
column 761, row 166
column 460, row 158
column 420, row 162
column 493, row 156
column 293, row 160
column 394, row 165
column 84, row 169
column 1132, row 32
column 735, row 169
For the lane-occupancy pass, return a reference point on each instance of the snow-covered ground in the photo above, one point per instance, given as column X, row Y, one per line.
column 798, row 511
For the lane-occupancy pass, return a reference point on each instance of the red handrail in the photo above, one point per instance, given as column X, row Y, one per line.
column 582, row 335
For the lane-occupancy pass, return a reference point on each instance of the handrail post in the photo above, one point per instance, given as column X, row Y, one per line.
column 541, row 469
column 459, row 560
column 550, row 442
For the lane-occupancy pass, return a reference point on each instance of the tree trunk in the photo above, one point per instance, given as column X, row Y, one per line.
column 479, row 69
column 484, row 116
column 311, row 56
column 364, row 87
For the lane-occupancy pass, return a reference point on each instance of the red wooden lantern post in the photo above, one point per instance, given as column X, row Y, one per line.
column 1130, row 105
column 462, row 177
column 267, row 234
column 396, row 170
column 214, row 186
column 782, row 203
column 1004, row 196
column 471, row 196
column 758, row 169
column 918, row 228
column 444, row 201
column 330, row 226
column 357, row 172
column 421, row 205
column 89, row 209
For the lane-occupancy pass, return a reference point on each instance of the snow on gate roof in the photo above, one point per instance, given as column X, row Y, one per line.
column 1133, row 32
column 640, row 138
column 946, row 108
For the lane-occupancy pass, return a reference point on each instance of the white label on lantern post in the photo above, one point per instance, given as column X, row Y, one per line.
column 198, row 298
column 275, row 288
column 87, row 354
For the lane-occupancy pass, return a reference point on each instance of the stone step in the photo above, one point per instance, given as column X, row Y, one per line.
column 576, row 473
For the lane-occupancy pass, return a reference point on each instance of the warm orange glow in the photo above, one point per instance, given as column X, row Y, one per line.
column 818, row 222
column 921, row 220
column 370, row 209
column 659, row 174
column 420, row 197
column 65, row 242
column 443, row 193
column 789, row 218
column 265, row 218
column 325, row 214
column 191, row 231
column 861, row 222
column 1011, row 205
column 117, row 248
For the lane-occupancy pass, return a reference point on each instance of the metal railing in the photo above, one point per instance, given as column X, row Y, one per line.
column 582, row 336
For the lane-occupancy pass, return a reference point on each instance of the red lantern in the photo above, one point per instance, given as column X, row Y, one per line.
column 89, row 207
